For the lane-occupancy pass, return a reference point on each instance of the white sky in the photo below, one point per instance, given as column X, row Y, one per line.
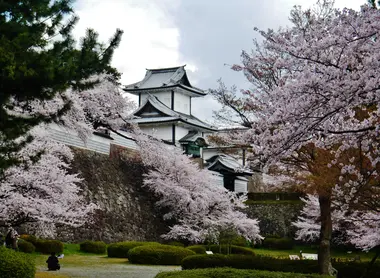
column 203, row 34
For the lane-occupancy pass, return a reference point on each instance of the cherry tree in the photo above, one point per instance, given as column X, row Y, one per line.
column 308, row 223
column 360, row 228
column 41, row 190
column 188, row 196
column 317, row 81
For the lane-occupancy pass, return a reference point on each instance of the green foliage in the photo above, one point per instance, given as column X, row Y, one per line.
column 16, row 264
column 120, row 249
column 25, row 246
column 158, row 254
column 39, row 59
column 277, row 243
column 176, row 243
column 198, row 249
column 240, row 241
column 30, row 238
column 345, row 269
column 233, row 273
column 223, row 249
column 249, row 262
column 96, row 247
column 47, row 246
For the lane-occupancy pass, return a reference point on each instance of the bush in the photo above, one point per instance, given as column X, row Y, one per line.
column 234, row 249
column 278, row 243
column 198, row 249
column 96, row 247
column 240, row 241
column 120, row 249
column 30, row 238
column 250, row 262
column 26, row 246
column 16, row 264
column 345, row 269
column 158, row 254
column 176, row 243
column 233, row 273
column 48, row 246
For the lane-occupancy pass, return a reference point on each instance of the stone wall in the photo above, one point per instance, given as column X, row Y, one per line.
column 275, row 216
column 127, row 210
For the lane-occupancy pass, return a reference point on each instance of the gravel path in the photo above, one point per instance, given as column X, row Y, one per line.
column 101, row 268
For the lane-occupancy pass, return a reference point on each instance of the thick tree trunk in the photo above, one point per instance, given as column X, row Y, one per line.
column 324, row 257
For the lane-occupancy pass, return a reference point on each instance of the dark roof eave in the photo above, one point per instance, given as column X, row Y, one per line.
column 178, row 120
column 157, row 88
column 233, row 170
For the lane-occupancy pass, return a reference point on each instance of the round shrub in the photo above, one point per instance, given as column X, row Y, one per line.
column 223, row 249
column 96, row 247
column 120, row 249
column 198, row 249
column 25, row 246
column 240, row 241
column 48, row 246
column 158, row 254
column 204, row 261
column 30, row 238
column 176, row 243
column 16, row 264
column 278, row 243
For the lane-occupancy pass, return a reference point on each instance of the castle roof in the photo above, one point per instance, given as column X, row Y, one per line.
column 162, row 79
column 226, row 163
column 153, row 111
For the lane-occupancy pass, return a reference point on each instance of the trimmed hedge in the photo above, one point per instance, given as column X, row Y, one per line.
column 16, row 264
column 234, row 249
column 345, row 269
column 158, row 254
column 30, row 238
column 176, row 243
column 25, row 246
column 198, row 249
column 120, row 249
column 233, row 273
column 96, row 247
column 278, row 243
column 47, row 246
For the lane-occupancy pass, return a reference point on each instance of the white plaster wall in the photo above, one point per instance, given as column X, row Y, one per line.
column 207, row 153
column 180, row 132
column 161, row 132
column 164, row 97
column 182, row 103
column 94, row 142
column 241, row 186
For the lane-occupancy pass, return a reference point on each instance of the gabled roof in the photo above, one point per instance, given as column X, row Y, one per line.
column 223, row 162
column 165, row 114
column 192, row 136
column 162, row 79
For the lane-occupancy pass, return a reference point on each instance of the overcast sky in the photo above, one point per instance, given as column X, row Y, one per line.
column 203, row 34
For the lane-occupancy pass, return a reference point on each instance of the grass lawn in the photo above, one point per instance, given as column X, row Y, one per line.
column 337, row 254
column 76, row 264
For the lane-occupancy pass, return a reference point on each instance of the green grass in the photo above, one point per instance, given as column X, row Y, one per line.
column 233, row 273
column 337, row 254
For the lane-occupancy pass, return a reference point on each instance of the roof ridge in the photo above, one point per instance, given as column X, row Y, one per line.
column 163, row 69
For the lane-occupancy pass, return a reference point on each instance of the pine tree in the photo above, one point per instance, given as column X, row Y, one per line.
column 38, row 60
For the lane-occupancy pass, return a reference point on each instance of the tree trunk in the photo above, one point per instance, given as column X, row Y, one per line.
column 324, row 256
column 371, row 263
